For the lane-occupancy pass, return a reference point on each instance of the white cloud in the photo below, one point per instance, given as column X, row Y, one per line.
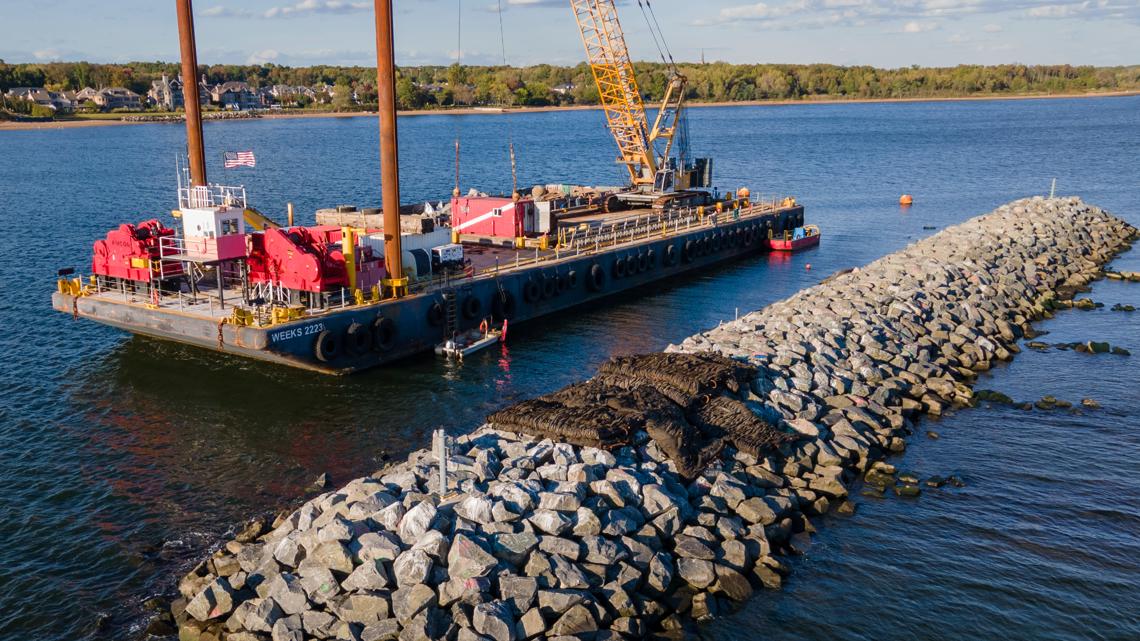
column 919, row 27
column 221, row 11
column 801, row 14
column 317, row 6
column 992, row 28
column 263, row 56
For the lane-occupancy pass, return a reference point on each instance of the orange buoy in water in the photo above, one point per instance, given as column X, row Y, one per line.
column 807, row 266
column 906, row 199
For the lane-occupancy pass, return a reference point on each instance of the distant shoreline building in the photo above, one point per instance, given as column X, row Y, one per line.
column 54, row 100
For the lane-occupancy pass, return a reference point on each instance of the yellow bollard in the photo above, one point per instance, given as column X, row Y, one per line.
column 348, row 249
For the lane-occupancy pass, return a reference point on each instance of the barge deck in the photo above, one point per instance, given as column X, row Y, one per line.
column 344, row 333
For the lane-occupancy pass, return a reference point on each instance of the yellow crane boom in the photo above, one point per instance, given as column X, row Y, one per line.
column 612, row 68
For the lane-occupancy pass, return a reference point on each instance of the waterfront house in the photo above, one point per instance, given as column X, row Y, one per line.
column 117, row 98
column 235, row 96
column 54, row 100
column 166, row 93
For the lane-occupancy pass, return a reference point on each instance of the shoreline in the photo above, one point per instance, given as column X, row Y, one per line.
column 8, row 125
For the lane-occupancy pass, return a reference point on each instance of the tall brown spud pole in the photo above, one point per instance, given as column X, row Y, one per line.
column 389, row 161
column 195, row 150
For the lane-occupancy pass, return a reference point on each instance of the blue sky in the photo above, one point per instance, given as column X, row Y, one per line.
column 886, row 33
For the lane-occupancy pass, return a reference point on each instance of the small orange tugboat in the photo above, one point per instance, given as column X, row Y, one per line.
column 796, row 239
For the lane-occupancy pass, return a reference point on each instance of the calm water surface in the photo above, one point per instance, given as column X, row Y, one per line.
column 125, row 458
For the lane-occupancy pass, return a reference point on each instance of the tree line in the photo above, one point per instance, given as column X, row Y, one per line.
column 540, row 85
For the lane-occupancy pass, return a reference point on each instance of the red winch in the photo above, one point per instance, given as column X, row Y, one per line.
column 134, row 253
column 309, row 259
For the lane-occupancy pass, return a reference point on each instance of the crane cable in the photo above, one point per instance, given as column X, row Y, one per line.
column 510, row 134
column 459, row 67
column 659, row 33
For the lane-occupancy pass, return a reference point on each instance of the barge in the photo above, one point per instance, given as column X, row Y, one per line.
column 366, row 291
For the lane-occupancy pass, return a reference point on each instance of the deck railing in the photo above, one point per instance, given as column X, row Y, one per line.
column 587, row 238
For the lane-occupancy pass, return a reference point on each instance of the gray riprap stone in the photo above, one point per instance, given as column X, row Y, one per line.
column 434, row 543
column 732, row 584
column 618, row 600
column 339, row 529
column 370, row 575
column 390, row 516
column 734, row 554
column 494, row 620
column 603, row 551
column 376, row 546
column 693, row 548
column 261, row 614
column 656, row 499
column 333, row 555
column 514, row 548
column 319, row 625
column 319, row 584
column 530, row 625
column 756, row 510
column 288, row 629
column 286, row 591
column 641, row 549
column 621, row 521
column 559, row 546
column 555, row 602
column 569, row 576
column 577, row 621
column 417, row 521
column 385, row 630
column 412, row 567
column 586, row 523
column 213, row 601
column 365, row 609
column 699, row 573
column 467, row 559
column 730, row 489
column 288, row 552
column 660, row 574
column 550, row 522
column 559, row 502
column 410, row 601
column 501, row 514
column 519, row 591
column 477, row 508
column 668, row 523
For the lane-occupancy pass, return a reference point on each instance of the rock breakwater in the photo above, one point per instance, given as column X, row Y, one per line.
column 672, row 507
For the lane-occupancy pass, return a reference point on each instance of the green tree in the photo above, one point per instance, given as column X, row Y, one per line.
column 342, row 96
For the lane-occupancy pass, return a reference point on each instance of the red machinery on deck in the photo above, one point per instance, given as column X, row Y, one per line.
column 309, row 259
column 134, row 253
column 492, row 216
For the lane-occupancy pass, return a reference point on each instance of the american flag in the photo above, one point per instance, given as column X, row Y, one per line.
column 239, row 159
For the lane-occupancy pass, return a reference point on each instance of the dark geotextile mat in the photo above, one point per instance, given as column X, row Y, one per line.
column 688, row 404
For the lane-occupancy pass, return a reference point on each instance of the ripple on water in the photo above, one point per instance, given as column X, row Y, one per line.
column 125, row 458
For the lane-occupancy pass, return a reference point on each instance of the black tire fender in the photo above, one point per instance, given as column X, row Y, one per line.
column 472, row 307
column 596, row 279
column 532, row 291
column 358, row 338
column 435, row 314
column 326, row 347
column 503, row 305
column 383, row 334
column 619, row 267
